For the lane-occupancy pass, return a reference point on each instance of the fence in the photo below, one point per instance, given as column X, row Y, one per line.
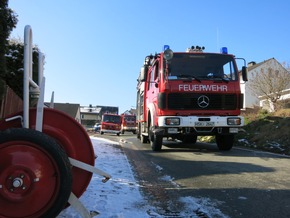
column 10, row 103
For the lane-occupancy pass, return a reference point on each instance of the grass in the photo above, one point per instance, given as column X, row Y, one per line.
column 263, row 130
column 266, row 131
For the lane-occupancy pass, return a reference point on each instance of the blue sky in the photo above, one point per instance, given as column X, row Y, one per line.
column 95, row 48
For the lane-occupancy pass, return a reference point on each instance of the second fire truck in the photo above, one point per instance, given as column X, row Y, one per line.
column 111, row 123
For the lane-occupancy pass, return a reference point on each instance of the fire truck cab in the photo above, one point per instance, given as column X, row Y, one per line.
column 183, row 95
column 111, row 123
column 128, row 123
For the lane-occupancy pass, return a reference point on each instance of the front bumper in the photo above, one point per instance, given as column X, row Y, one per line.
column 110, row 131
column 126, row 128
column 201, row 125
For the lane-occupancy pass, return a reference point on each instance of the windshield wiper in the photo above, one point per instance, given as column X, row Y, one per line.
column 222, row 78
column 213, row 76
column 190, row 77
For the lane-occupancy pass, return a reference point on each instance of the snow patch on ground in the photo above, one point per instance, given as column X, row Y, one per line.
column 120, row 197
column 203, row 206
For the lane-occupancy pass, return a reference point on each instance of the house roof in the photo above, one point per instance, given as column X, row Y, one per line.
column 70, row 109
column 131, row 111
column 252, row 67
column 255, row 65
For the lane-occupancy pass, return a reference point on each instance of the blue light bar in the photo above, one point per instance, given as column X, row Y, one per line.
column 224, row 50
column 165, row 47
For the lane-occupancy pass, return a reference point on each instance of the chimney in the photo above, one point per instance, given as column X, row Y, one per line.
column 252, row 63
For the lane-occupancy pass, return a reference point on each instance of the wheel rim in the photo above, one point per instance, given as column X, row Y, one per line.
column 29, row 180
column 70, row 135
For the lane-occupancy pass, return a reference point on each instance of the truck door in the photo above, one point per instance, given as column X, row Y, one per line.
column 153, row 88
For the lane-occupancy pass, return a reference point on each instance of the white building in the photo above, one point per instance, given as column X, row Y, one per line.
column 250, row 99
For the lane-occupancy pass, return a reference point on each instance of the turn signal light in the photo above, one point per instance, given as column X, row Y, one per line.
column 172, row 121
column 234, row 121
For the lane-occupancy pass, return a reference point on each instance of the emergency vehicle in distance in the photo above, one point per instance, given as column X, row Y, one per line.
column 183, row 95
column 111, row 123
column 128, row 123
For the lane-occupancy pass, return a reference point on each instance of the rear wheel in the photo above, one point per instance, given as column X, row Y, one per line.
column 35, row 174
column 225, row 142
column 138, row 131
column 144, row 139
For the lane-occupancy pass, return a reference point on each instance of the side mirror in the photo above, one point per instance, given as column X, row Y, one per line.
column 143, row 73
column 245, row 73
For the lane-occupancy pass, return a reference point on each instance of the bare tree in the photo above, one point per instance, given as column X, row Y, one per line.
column 270, row 83
column 286, row 65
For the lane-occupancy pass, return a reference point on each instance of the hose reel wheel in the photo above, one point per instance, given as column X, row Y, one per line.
column 35, row 178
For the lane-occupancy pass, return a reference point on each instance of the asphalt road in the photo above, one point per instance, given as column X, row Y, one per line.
column 247, row 183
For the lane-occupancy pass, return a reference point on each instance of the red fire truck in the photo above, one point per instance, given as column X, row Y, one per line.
column 128, row 123
column 111, row 123
column 182, row 95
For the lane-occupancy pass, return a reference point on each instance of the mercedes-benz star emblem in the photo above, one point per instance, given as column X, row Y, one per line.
column 203, row 101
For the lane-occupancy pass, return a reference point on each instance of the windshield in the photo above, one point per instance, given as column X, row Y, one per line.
column 111, row 119
column 202, row 66
column 130, row 118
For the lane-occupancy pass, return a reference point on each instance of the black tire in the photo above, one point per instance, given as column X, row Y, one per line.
column 225, row 142
column 29, row 138
column 155, row 140
column 144, row 139
column 102, row 133
column 139, row 131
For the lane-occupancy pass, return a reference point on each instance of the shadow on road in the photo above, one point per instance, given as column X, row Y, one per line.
column 246, row 183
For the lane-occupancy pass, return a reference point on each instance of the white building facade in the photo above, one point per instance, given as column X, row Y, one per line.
column 250, row 99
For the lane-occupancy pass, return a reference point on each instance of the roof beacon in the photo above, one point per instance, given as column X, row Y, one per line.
column 224, row 50
column 165, row 47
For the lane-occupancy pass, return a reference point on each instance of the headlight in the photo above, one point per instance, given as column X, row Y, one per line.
column 234, row 121
column 172, row 121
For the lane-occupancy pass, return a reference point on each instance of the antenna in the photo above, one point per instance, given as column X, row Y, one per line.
column 217, row 39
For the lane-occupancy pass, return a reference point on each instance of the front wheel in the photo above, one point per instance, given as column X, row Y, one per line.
column 155, row 140
column 225, row 142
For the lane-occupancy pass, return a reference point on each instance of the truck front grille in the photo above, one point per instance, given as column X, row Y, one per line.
column 191, row 101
